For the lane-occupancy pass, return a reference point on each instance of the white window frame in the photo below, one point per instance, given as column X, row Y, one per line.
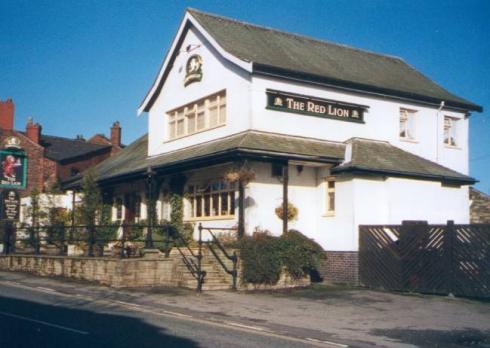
column 451, row 125
column 409, row 124
column 198, row 194
column 330, row 188
column 190, row 112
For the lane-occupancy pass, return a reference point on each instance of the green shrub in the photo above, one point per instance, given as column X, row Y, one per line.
column 263, row 256
column 302, row 255
column 261, row 259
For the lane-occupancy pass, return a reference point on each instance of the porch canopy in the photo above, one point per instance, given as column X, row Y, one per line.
column 364, row 157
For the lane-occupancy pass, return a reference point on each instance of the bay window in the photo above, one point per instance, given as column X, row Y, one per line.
column 214, row 199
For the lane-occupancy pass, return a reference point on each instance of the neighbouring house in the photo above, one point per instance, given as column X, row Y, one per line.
column 346, row 136
column 480, row 207
column 33, row 160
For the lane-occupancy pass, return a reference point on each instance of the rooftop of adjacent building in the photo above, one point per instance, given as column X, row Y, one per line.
column 57, row 148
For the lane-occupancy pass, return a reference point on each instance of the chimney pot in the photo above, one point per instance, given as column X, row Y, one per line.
column 33, row 130
column 116, row 135
column 7, row 108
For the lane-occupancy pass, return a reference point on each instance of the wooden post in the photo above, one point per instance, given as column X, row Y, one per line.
column 449, row 249
column 73, row 202
column 285, row 184
column 241, row 209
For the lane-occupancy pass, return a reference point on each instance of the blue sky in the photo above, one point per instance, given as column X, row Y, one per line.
column 77, row 66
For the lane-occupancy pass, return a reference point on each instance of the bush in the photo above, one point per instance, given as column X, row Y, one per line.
column 263, row 256
column 302, row 255
column 261, row 259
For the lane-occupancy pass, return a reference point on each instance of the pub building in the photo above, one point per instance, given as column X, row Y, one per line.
column 346, row 136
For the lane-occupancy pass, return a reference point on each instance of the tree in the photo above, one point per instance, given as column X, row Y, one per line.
column 91, row 199
column 91, row 205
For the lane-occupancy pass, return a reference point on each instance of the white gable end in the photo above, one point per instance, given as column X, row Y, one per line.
column 188, row 21
column 218, row 74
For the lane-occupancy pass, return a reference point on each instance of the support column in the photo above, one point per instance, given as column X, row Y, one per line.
column 241, row 209
column 150, row 208
column 285, row 184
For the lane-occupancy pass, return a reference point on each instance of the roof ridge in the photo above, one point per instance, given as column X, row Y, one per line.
column 63, row 138
column 303, row 36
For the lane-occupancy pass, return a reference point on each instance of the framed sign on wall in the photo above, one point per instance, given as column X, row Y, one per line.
column 13, row 168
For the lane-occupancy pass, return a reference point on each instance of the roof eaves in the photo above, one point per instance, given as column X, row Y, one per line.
column 443, row 178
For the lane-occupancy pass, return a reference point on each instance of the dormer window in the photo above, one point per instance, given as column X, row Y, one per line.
column 407, row 124
column 451, row 131
column 204, row 114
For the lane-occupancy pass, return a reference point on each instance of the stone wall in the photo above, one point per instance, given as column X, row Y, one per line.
column 341, row 267
column 113, row 272
column 480, row 207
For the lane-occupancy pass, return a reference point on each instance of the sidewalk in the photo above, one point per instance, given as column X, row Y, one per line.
column 358, row 318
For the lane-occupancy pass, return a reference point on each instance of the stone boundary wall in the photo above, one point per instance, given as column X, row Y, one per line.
column 480, row 207
column 118, row 273
column 124, row 273
column 341, row 267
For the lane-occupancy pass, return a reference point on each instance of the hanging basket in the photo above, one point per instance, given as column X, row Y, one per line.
column 292, row 211
column 245, row 175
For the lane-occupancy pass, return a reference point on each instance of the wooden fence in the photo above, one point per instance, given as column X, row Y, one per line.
column 418, row 257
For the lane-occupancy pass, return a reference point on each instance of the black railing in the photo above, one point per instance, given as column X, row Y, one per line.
column 216, row 243
column 120, row 240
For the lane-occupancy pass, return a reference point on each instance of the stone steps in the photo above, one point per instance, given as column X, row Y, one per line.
column 216, row 277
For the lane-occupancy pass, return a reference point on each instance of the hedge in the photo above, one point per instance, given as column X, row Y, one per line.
column 263, row 256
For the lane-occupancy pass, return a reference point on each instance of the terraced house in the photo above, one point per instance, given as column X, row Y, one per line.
column 345, row 136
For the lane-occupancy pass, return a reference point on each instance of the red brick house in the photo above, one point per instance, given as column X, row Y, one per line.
column 53, row 158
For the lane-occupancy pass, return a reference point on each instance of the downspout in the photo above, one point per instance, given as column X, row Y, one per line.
column 437, row 130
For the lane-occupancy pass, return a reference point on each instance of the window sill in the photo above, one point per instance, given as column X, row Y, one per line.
column 210, row 218
column 189, row 135
column 408, row 140
column 453, row 147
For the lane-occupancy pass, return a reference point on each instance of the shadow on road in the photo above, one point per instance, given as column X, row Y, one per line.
column 438, row 338
column 31, row 324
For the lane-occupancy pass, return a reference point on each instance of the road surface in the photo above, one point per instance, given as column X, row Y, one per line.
column 40, row 317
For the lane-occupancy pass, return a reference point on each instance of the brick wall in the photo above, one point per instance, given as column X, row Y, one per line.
column 480, row 207
column 341, row 267
column 40, row 172
column 81, row 164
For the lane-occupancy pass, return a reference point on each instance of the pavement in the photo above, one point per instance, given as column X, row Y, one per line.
column 324, row 316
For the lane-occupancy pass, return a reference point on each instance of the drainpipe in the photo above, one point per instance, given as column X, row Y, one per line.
column 437, row 130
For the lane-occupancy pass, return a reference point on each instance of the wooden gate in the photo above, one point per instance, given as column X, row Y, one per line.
column 418, row 257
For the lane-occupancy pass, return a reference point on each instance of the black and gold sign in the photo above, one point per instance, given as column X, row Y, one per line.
column 301, row 104
column 193, row 69
column 10, row 205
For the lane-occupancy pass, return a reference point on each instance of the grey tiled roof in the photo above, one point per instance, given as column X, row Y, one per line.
column 61, row 149
column 368, row 155
column 381, row 157
column 133, row 158
column 339, row 64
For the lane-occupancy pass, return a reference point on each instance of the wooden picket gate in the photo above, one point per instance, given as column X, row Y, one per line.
column 417, row 257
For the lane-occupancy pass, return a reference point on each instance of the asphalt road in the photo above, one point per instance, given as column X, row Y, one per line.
column 38, row 318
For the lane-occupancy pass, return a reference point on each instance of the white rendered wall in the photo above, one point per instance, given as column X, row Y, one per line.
column 265, row 194
column 381, row 122
column 218, row 74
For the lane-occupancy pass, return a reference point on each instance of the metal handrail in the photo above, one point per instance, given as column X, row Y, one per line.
column 215, row 241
